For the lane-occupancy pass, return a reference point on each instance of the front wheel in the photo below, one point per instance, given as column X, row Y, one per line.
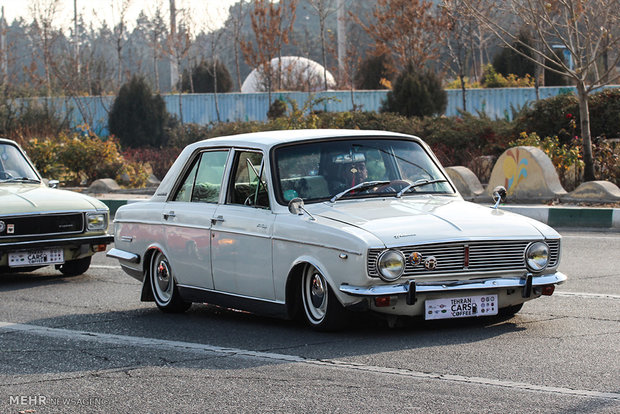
column 322, row 310
column 75, row 267
column 163, row 285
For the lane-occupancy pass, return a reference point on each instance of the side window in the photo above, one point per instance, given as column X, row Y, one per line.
column 249, row 185
column 204, row 181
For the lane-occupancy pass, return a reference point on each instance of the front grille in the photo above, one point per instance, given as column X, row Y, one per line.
column 484, row 256
column 42, row 225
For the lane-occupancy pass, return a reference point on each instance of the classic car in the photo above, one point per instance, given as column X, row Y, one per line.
column 42, row 226
column 322, row 223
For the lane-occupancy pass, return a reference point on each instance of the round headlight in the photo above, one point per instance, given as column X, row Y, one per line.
column 391, row 265
column 537, row 256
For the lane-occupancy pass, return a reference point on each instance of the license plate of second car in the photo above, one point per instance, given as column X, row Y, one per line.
column 461, row 307
column 36, row 257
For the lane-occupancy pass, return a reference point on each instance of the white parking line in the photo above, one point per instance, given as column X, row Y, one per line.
column 104, row 267
column 587, row 295
column 195, row 347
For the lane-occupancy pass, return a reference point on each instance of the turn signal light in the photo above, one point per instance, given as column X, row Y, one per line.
column 99, row 248
column 382, row 301
column 548, row 290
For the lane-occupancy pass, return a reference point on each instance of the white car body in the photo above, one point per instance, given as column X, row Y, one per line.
column 277, row 260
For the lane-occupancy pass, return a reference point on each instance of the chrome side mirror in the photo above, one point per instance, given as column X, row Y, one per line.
column 53, row 183
column 296, row 206
column 499, row 196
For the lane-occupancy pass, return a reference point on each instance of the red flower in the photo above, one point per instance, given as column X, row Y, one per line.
column 569, row 116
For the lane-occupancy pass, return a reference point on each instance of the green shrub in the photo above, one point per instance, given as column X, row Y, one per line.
column 137, row 116
column 555, row 116
column 416, row 94
column 508, row 61
column 75, row 160
column 29, row 119
column 202, row 78
column 605, row 113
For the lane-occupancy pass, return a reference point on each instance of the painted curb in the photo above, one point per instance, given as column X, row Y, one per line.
column 589, row 217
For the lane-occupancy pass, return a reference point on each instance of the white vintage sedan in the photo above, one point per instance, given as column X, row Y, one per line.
column 322, row 223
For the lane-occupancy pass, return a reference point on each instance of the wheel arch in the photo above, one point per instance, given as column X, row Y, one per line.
column 147, row 293
column 293, row 283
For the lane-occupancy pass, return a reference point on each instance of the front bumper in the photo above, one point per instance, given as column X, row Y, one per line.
column 70, row 241
column 412, row 287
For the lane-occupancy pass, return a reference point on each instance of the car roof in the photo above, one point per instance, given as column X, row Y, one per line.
column 268, row 139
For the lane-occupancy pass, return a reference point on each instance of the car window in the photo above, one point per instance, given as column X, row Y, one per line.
column 249, row 186
column 204, row 181
column 13, row 164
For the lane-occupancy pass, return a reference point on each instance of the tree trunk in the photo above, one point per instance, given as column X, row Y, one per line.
column 584, row 115
column 463, row 91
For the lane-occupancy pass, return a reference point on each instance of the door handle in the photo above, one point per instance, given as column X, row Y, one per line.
column 169, row 214
column 216, row 219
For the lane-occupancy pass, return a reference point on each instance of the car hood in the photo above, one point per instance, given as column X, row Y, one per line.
column 420, row 219
column 33, row 198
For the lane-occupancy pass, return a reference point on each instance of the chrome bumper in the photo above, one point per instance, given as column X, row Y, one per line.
column 460, row 285
column 68, row 241
column 123, row 255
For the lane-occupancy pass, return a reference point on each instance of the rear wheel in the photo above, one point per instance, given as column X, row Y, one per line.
column 322, row 310
column 163, row 285
column 75, row 267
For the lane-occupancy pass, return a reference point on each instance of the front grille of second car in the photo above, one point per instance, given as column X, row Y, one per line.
column 43, row 225
column 483, row 256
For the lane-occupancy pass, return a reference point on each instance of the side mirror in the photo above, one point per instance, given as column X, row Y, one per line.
column 53, row 183
column 296, row 206
column 499, row 195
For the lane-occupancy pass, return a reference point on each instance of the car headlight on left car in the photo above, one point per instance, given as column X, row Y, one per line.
column 391, row 265
column 537, row 256
column 96, row 221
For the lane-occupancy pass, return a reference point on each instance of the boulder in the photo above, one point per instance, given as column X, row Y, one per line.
column 465, row 181
column 528, row 175
column 594, row 191
column 103, row 185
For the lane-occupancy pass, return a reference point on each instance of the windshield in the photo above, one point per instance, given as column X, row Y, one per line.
column 331, row 170
column 13, row 165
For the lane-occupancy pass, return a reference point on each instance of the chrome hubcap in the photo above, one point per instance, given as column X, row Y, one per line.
column 317, row 290
column 314, row 295
column 162, row 280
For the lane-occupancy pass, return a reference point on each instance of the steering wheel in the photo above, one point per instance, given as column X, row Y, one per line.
column 392, row 186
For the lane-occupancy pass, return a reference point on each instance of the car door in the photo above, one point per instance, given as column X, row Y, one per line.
column 187, row 218
column 241, row 235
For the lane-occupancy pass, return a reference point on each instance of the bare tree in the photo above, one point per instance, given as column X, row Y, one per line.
column 44, row 12
column 120, row 35
column 411, row 30
column 323, row 9
column 178, row 46
column 271, row 24
column 237, row 17
column 588, row 29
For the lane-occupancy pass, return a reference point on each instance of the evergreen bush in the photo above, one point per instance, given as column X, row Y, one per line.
column 202, row 78
column 138, row 117
column 416, row 93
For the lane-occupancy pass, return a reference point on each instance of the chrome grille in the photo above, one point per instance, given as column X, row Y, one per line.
column 483, row 256
column 42, row 225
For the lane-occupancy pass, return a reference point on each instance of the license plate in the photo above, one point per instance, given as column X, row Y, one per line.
column 36, row 257
column 463, row 307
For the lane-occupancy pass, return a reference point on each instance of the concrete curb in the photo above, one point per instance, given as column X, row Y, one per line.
column 555, row 216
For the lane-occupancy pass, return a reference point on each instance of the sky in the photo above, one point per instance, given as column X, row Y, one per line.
column 207, row 15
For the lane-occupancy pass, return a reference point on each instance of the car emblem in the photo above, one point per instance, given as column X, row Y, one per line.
column 430, row 263
column 415, row 258
column 10, row 228
column 2, row 226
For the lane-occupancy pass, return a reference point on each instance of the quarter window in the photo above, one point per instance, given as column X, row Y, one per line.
column 204, row 181
column 249, row 187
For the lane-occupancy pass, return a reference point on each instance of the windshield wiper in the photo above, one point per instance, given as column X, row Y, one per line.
column 22, row 180
column 419, row 183
column 359, row 186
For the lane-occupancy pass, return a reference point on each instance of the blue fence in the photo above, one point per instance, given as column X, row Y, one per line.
column 204, row 108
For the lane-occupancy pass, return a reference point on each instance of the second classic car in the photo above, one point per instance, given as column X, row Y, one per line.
column 324, row 222
column 42, row 226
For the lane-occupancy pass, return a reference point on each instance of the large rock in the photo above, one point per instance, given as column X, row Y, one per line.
column 466, row 182
column 103, row 185
column 594, row 191
column 528, row 175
